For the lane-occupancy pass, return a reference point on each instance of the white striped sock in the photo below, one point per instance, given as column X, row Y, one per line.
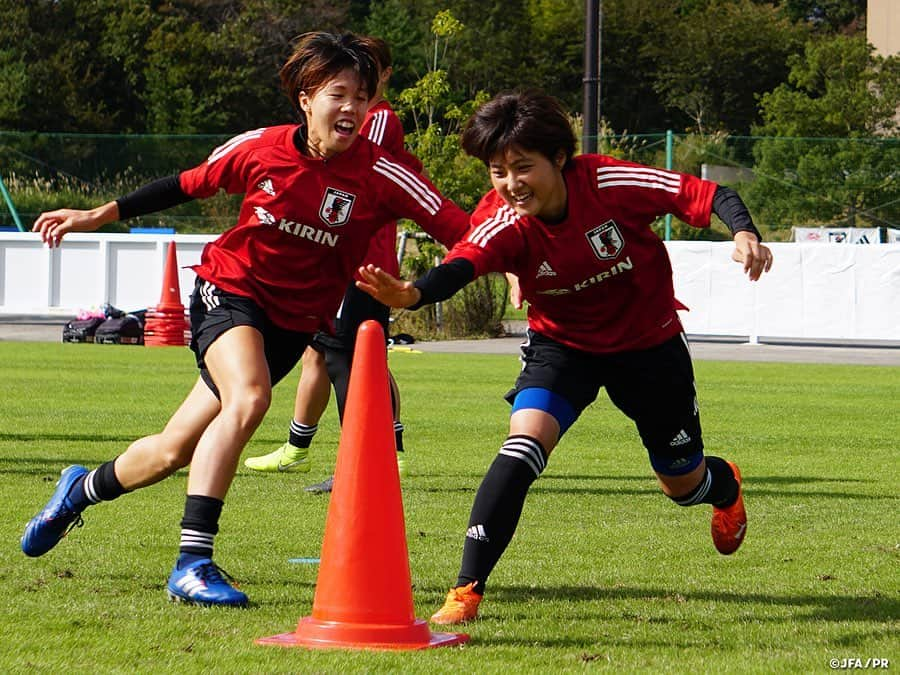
column 303, row 429
column 197, row 541
column 90, row 490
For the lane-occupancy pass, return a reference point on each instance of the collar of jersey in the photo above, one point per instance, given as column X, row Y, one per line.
column 345, row 158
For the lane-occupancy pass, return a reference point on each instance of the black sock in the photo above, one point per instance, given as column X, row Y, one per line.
column 723, row 488
column 498, row 506
column 99, row 485
column 398, row 435
column 337, row 362
column 199, row 527
column 717, row 487
column 301, row 435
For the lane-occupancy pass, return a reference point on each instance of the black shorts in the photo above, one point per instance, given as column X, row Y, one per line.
column 654, row 387
column 357, row 306
column 214, row 311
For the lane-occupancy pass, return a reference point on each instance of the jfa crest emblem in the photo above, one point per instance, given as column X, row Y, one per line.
column 606, row 240
column 336, row 207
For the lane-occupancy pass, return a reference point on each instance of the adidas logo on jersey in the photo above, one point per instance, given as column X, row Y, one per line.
column 680, row 439
column 477, row 533
column 267, row 187
column 544, row 270
column 264, row 216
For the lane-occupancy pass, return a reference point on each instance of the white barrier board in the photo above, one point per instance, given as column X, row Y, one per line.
column 814, row 291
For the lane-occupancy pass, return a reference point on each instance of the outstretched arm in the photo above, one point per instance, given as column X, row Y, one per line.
column 755, row 257
column 155, row 196
column 748, row 247
column 54, row 225
column 386, row 288
column 439, row 283
column 515, row 292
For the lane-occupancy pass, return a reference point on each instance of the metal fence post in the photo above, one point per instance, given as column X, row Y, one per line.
column 11, row 206
column 669, row 152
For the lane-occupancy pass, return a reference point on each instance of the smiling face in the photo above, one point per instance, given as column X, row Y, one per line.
column 530, row 183
column 334, row 113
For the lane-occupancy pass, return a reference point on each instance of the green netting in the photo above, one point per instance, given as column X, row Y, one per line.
column 786, row 182
column 47, row 171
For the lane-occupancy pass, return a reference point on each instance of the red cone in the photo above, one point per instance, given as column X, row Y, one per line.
column 363, row 594
column 165, row 324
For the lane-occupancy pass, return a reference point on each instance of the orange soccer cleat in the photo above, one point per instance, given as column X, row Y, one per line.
column 460, row 606
column 729, row 524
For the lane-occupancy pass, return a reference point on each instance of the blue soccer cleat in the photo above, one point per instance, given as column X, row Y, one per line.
column 201, row 583
column 57, row 518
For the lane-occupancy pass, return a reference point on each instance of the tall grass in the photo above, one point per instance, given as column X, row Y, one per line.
column 33, row 194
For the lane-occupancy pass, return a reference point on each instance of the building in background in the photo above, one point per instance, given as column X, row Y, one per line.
column 883, row 26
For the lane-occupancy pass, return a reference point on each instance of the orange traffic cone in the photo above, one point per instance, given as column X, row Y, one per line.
column 363, row 594
column 165, row 323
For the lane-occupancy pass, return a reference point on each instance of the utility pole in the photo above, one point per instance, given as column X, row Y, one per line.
column 593, row 25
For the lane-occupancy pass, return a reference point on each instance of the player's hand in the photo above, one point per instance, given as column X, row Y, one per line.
column 54, row 225
column 387, row 289
column 515, row 292
column 755, row 257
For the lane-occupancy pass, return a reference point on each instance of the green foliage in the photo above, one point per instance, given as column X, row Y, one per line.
column 13, row 78
column 210, row 67
column 827, row 15
column 712, row 64
column 463, row 179
column 555, row 49
column 839, row 88
column 393, row 21
column 424, row 97
column 34, row 194
column 604, row 572
column 128, row 65
column 628, row 98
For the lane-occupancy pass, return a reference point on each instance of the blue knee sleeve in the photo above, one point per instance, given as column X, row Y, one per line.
column 669, row 466
column 537, row 398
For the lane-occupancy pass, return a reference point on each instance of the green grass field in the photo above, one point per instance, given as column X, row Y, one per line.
column 604, row 574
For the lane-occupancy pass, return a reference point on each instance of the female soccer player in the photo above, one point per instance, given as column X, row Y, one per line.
column 327, row 361
column 576, row 232
column 314, row 194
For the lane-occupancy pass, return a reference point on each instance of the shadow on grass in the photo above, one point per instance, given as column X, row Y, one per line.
column 607, row 485
column 49, row 468
column 74, row 438
column 823, row 607
column 751, row 480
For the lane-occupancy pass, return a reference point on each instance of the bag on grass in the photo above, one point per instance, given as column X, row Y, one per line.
column 123, row 330
column 81, row 330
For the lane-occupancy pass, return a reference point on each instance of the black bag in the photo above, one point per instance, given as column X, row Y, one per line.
column 124, row 330
column 81, row 330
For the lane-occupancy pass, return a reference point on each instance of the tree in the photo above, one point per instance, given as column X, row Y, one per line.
column 839, row 88
column 556, row 48
column 628, row 99
column 392, row 21
column 68, row 84
column 827, row 15
column 438, row 120
column 213, row 66
column 713, row 62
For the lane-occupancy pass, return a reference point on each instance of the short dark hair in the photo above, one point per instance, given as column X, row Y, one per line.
column 380, row 50
column 318, row 57
column 530, row 120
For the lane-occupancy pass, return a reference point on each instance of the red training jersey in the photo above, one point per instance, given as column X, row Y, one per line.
column 305, row 223
column 383, row 127
column 600, row 280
